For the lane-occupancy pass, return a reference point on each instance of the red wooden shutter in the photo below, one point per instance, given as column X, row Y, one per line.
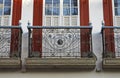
column 37, row 21
column 109, row 34
column 16, row 16
column 84, row 21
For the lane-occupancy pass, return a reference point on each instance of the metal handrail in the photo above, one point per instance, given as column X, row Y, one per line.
column 11, row 27
column 60, row 27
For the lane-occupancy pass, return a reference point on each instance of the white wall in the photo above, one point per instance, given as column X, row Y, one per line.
column 27, row 13
column 27, row 16
column 96, row 18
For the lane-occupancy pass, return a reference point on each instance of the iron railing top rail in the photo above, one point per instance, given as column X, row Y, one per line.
column 59, row 27
column 11, row 27
column 110, row 27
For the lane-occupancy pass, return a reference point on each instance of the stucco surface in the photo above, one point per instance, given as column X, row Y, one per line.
column 60, row 74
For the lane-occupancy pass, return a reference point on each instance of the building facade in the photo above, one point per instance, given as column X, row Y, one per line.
column 65, row 42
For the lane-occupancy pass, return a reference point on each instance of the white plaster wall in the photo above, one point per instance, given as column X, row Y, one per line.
column 27, row 16
column 27, row 13
column 96, row 18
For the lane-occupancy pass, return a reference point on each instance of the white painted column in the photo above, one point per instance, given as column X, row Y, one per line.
column 27, row 15
column 96, row 17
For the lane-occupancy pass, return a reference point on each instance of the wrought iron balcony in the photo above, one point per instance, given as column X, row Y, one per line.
column 60, row 47
column 111, row 47
column 10, row 46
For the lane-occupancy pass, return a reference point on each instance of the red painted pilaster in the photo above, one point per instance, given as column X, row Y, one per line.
column 15, row 33
column 84, row 21
column 109, row 34
column 37, row 21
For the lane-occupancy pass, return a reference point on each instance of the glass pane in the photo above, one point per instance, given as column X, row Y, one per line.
column 74, row 11
column 48, row 1
column 56, row 3
column 7, row 11
column 66, row 3
column 1, row 1
column 56, row 11
column 7, row 2
column 74, row 3
column 66, row 11
column 1, row 11
column 48, row 11
column 117, row 11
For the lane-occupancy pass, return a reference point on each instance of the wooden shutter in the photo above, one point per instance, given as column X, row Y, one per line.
column 84, row 21
column 16, row 16
column 109, row 34
column 37, row 21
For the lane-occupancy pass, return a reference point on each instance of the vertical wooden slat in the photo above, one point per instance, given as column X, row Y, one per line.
column 109, row 34
column 37, row 33
column 15, row 33
column 84, row 21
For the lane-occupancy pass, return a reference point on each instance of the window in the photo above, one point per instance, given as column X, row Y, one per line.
column 5, row 12
column 61, row 13
column 70, row 8
column 117, row 7
column 52, row 7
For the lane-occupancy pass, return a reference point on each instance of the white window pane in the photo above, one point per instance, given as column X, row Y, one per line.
column 6, row 21
column 66, row 21
column 55, row 21
column 48, row 21
column 74, row 21
column 117, row 21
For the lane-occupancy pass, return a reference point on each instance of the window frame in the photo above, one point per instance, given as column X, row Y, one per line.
column 61, row 14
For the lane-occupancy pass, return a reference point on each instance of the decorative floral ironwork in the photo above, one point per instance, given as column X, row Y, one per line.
column 5, row 36
column 117, row 42
column 61, row 43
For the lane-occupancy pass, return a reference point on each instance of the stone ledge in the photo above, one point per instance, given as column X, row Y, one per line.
column 10, row 63
column 110, row 63
column 60, row 62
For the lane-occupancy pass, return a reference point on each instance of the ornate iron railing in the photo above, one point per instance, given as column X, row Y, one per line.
column 111, row 41
column 58, row 41
column 10, row 41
